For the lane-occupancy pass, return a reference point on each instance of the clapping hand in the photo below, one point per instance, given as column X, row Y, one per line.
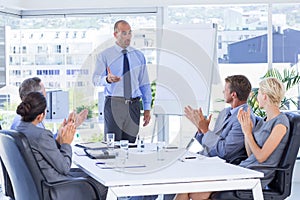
column 245, row 120
column 80, row 117
column 197, row 118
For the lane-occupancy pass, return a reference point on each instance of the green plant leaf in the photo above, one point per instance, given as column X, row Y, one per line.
column 289, row 78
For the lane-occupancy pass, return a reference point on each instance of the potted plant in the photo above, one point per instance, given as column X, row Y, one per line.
column 289, row 78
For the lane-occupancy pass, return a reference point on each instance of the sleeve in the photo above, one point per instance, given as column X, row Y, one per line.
column 229, row 144
column 199, row 137
column 59, row 157
column 16, row 122
column 144, row 83
column 100, row 72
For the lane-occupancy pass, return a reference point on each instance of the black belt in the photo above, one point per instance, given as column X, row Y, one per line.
column 126, row 101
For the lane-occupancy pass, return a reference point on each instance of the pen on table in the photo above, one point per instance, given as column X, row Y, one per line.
column 100, row 163
column 190, row 157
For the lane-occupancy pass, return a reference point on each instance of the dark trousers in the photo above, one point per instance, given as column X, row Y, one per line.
column 122, row 118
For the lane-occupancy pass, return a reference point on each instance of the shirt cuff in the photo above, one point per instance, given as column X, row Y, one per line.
column 199, row 137
column 147, row 106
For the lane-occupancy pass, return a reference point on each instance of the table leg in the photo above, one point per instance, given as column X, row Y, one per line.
column 257, row 191
column 111, row 195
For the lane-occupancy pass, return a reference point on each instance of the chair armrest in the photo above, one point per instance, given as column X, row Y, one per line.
column 66, row 181
column 284, row 168
column 237, row 160
column 72, row 180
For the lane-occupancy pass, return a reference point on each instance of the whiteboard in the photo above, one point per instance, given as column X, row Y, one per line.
column 186, row 60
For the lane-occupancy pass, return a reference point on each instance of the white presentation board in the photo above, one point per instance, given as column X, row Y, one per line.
column 186, row 61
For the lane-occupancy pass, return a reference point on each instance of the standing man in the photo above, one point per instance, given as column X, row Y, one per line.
column 122, row 70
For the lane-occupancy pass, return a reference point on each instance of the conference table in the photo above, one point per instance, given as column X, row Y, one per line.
column 176, row 171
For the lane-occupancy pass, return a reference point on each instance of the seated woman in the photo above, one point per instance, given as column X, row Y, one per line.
column 266, row 141
column 54, row 157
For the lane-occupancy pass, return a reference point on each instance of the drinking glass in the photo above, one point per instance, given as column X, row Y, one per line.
column 124, row 144
column 110, row 140
column 160, row 146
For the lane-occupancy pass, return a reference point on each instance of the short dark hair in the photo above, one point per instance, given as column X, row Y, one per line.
column 117, row 24
column 239, row 84
column 31, row 106
column 30, row 85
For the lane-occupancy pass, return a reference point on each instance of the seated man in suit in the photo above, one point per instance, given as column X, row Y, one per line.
column 226, row 140
column 35, row 85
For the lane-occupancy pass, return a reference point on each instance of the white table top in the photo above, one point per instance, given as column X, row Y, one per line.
column 172, row 171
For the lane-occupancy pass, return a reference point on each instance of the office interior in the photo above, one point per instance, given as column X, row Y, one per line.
column 58, row 41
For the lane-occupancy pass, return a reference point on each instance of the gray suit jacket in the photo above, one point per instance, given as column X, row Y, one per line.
column 226, row 140
column 55, row 162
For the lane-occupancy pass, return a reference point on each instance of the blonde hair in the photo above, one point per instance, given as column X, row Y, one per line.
column 273, row 88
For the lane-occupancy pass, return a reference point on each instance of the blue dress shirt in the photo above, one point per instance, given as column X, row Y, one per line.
column 113, row 58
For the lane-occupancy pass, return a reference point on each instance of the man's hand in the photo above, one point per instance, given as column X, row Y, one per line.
column 80, row 117
column 147, row 117
column 197, row 118
column 111, row 78
column 71, row 118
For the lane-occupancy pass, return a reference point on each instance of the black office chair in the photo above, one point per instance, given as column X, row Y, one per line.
column 280, row 187
column 6, row 184
column 26, row 177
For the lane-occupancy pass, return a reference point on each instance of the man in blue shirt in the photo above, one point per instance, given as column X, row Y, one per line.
column 122, row 106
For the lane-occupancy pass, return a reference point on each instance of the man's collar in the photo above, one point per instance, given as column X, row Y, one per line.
column 233, row 110
column 120, row 49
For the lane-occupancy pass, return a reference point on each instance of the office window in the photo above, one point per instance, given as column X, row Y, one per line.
column 39, row 49
column 24, row 50
column 58, row 48
column 64, row 46
column 235, row 47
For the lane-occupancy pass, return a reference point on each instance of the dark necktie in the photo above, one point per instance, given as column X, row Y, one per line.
column 228, row 115
column 126, row 76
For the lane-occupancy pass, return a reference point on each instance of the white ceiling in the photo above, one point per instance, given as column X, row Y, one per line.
column 85, row 4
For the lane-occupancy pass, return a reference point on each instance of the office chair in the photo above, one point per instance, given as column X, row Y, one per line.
column 6, row 184
column 281, row 185
column 27, row 180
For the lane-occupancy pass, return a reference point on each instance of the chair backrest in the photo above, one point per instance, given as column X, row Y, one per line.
column 21, row 166
column 283, row 178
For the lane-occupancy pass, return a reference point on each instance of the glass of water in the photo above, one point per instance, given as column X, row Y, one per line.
column 110, row 140
column 160, row 147
column 124, row 145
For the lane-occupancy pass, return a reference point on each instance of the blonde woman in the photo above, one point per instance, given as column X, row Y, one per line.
column 266, row 141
